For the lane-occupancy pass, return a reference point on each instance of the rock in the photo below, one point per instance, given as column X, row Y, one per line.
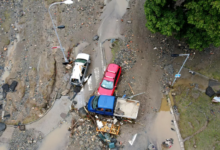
column 173, row 94
column 29, row 141
column 195, row 95
column 82, row 112
column 81, row 142
column 13, row 86
column 65, row 92
column 40, row 115
column 169, row 69
column 96, row 37
column 129, row 22
column 79, row 128
column 15, row 29
column 68, row 66
column 2, row 126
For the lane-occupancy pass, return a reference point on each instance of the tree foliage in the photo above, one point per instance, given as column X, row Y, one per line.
column 197, row 21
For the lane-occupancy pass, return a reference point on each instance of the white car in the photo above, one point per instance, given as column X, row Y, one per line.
column 80, row 69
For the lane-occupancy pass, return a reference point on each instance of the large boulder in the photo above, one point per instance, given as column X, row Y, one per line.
column 2, row 126
column 82, row 112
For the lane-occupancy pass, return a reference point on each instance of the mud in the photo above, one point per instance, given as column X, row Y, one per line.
column 164, row 105
column 108, row 54
column 57, row 139
column 110, row 27
column 8, row 62
column 3, row 147
column 80, row 47
column 161, row 130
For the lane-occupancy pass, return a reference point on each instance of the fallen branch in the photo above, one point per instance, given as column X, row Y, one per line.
column 131, row 88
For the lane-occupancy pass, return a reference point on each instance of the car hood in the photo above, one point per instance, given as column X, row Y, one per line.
column 77, row 71
column 82, row 56
column 103, row 91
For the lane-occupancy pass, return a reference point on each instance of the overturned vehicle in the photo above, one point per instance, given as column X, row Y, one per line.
column 80, row 69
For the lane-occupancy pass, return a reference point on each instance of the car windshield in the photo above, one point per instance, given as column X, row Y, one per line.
column 107, row 84
column 75, row 80
column 95, row 102
column 81, row 61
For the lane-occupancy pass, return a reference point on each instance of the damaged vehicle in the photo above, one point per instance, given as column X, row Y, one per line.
column 81, row 64
column 113, row 106
column 110, row 80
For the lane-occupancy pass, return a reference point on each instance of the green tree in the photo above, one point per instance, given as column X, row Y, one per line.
column 197, row 21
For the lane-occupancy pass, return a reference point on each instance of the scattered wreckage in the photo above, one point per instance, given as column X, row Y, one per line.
column 81, row 64
column 110, row 80
column 168, row 143
column 113, row 106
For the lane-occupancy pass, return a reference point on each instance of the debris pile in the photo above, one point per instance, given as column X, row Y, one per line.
column 126, row 58
column 96, row 132
column 29, row 139
column 84, row 136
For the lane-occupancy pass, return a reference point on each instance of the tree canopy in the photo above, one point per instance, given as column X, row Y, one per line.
column 197, row 21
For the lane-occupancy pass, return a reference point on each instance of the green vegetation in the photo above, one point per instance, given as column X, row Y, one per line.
column 7, row 22
column 115, row 49
column 210, row 69
column 30, row 119
column 198, row 113
column 5, row 41
column 195, row 21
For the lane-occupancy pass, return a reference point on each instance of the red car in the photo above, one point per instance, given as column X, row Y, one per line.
column 110, row 80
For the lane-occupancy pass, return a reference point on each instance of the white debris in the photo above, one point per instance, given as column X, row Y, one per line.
column 216, row 99
column 99, row 124
column 115, row 120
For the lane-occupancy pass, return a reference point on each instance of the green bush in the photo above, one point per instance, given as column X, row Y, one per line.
column 198, row 22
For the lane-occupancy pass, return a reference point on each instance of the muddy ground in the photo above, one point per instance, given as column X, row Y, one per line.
column 38, row 68
column 27, row 34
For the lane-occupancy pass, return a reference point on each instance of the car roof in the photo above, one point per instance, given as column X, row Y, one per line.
column 106, row 102
column 110, row 75
column 77, row 71
column 112, row 68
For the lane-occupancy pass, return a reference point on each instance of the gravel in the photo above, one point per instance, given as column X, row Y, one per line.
column 28, row 140
column 84, row 137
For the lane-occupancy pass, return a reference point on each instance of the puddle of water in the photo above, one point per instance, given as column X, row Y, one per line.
column 113, row 12
column 161, row 130
column 57, row 139
column 164, row 105
column 3, row 147
column 201, row 81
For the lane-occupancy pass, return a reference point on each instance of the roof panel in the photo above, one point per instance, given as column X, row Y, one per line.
column 106, row 102
column 113, row 68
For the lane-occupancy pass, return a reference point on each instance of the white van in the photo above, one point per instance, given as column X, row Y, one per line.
column 80, row 69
